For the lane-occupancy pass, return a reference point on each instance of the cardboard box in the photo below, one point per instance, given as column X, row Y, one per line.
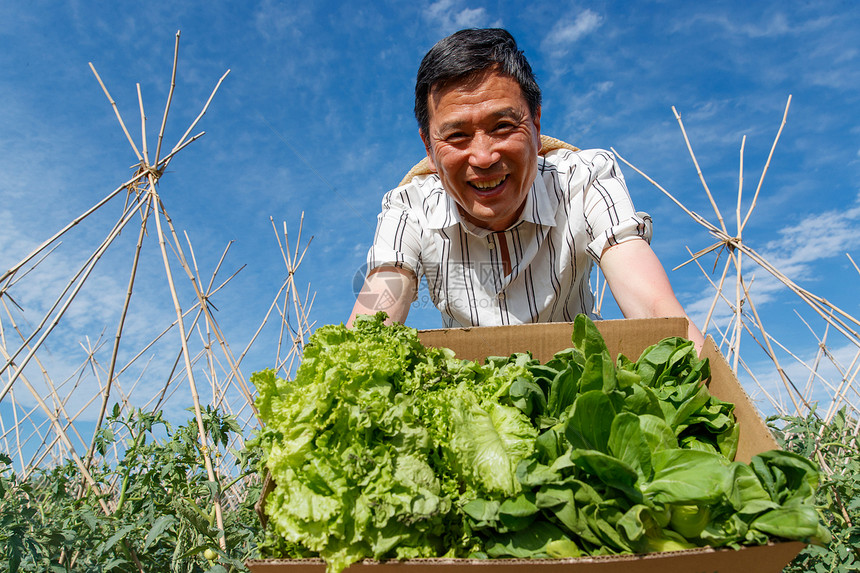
column 628, row 337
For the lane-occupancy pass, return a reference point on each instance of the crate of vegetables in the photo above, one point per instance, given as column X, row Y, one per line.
column 608, row 446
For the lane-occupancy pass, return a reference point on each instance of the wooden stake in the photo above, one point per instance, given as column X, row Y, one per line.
column 204, row 445
column 767, row 164
column 169, row 98
column 115, row 352
column 699, row 171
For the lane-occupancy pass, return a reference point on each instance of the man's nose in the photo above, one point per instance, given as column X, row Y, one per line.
column 482, row 153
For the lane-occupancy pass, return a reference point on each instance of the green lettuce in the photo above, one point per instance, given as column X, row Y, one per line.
column 382, row 448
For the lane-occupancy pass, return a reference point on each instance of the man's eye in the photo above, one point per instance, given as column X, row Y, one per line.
column 456, row 136
column 504, row 126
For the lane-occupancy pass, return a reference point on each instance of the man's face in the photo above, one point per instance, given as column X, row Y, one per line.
column 483, row 143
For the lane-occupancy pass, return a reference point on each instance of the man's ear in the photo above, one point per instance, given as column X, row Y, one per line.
column 537, row 126
column 426, row 140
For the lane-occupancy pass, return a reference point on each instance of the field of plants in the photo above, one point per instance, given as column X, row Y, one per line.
column 136, row 491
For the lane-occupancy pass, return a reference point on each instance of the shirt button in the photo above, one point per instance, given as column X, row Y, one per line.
column 491, row 245
column 501, row 296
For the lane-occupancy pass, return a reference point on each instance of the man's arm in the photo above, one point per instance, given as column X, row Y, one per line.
column 640, row 285
column 390, row 289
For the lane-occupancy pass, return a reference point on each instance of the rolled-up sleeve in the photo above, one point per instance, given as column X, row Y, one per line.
column 397, row 241
column 609, row 213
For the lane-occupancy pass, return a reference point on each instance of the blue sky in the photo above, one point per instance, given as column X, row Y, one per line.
column 315, row 117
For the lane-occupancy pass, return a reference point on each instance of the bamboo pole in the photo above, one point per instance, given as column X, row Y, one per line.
column 169, row 98
column 856, row 268
column 15, row 278
column 200, row 116
column 766, row 165
column 46, row 449
column 116, row 111
column 4, row 434
column 810, row 381
column 98, row 205
column 59, row 405
column 15, row 268
column 26, row 415
column 849, row 375
column 789, row 385
column 153, row 196
column 58, row 429
column 831, row 314
column 699, row 171
column 115, row 352
column 739, row 288
column 774, row 402
column 83, row 274
column 717, row 287
column 145, row 160
column 17, row 431
column 204, row 302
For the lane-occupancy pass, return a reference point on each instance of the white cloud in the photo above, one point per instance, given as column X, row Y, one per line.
column 566, row 33
column 818, row 236
column 776, row 25
column 450, row 16
column 275, row 20
column 773, row 26
column 570, row 32
column 585, row 110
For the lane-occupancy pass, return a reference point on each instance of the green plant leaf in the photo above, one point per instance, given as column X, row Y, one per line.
column 119, row 535
column 157, row 529
column 797, row 522
column 609, row 470
column 627, row 443
column 586, row 337
column 529, row 543
column 563, row 389
column 590, row 421
column 689, row 477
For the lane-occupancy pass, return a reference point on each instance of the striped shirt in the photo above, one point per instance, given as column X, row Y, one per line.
column 577, row 206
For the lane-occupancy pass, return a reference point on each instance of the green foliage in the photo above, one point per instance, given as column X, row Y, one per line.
column 161, row 512
column 838, row 498
column 566, row 434
column 385, row 449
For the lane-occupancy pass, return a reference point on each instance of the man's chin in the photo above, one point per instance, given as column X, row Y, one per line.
column 490, row 219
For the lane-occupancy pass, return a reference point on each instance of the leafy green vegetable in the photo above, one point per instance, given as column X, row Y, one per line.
column 383, row 448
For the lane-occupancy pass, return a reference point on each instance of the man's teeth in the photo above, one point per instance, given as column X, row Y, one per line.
column 488, row 184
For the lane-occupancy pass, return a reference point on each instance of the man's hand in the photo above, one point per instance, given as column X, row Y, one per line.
column 387, row 288
column 640, row 285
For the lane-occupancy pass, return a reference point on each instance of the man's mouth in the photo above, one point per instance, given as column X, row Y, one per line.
column 488, row 185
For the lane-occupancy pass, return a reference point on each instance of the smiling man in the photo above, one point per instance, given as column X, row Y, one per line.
column 504, row 227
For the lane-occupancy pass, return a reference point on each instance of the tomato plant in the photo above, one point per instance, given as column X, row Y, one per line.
column 161, row 518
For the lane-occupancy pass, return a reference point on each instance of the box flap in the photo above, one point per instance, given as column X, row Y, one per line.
column 629, row 337
column 755, row 437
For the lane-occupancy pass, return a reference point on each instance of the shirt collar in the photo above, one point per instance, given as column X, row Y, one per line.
column 539, row 209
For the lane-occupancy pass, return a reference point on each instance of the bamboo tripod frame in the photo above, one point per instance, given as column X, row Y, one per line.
column 50, row 432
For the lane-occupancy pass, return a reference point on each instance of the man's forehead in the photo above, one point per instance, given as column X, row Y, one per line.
column 469, row 81
column 473, row 82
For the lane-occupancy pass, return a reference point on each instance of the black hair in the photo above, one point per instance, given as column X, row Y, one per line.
column 468, row 53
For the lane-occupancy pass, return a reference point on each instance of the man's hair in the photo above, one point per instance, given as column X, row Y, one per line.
column 467, row 53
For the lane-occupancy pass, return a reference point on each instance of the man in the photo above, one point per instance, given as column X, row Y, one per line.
column 504, row 234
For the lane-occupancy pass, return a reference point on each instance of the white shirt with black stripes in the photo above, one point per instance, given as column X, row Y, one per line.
column 577, row 206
